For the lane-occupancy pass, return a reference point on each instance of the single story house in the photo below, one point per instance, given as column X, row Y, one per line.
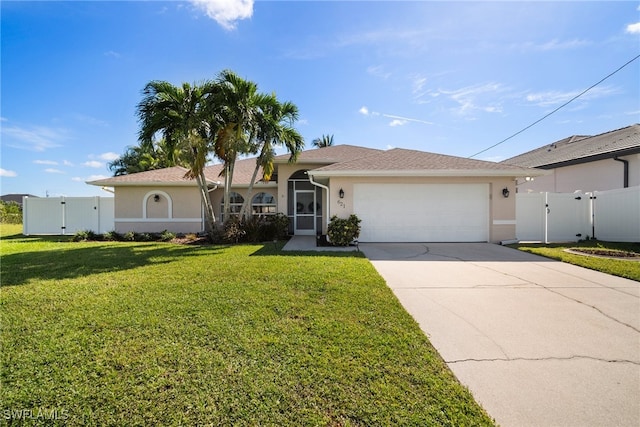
column 400, row 195
column 602, row 162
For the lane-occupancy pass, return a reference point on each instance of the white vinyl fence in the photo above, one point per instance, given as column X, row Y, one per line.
column 612, row 215
column 67, row 215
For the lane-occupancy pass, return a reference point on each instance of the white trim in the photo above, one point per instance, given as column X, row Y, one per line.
column 152, row 193
column 158, row 220
column 504, row 222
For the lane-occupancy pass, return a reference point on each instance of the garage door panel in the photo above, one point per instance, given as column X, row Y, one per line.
column 422, row 212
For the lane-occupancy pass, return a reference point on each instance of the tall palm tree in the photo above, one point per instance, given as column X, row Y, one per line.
column 240, row 107
column 275, row 129
column 325, row 141
column 182, row 116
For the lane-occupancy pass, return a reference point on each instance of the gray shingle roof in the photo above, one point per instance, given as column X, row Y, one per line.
column 400, row 161
column 331, row 154
column 581, row 149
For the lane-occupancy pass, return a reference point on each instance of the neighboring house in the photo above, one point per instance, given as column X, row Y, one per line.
column 17, row 198
column 587, row 163
column 400, row 195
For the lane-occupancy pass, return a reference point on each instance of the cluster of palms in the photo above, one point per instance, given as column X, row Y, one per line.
column 224, row 118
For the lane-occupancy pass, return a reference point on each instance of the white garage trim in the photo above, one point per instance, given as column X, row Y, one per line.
column 423, row 212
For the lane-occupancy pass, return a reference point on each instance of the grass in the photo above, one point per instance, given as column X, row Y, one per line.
column 616, row 267
column 99, row 333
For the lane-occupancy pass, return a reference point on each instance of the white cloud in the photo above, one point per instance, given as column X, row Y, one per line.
column 89, row 178
column 633, row 28
column 109, row 156
column 35, row 138
column 397, row 122
column 112, row 54
column 67, row 163
column 404, row 120
column 51, row 170
column 364, row 111
column 550, row 98
column 470, row 98
column 7, row 173
column 93, row 164
column 45, row 162
column 225, row 12
column 378, row 71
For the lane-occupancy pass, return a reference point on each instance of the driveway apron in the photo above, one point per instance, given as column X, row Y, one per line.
column 538, row 342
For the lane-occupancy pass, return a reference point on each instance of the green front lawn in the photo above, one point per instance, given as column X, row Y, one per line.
column 163, row 334
column 616, row 267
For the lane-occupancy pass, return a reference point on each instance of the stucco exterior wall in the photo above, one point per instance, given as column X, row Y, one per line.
column 177, row 209
column 502, row 211
column 600, row 175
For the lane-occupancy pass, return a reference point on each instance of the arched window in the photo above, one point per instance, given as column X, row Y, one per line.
column 235, row 204
column 263, row 204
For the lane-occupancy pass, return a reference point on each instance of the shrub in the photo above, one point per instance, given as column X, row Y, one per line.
column 233, row 230
column 129, row 236
column 84, row 236
column 10, row 213
column 255, row 229
column 167, row 236
column 279, row 225
column 343, row 231
column 112, row 236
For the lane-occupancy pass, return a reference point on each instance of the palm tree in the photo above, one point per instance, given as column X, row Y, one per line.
column 182, row 116
column 240, row 107
column 145, row 157
column 275, row 128
column 325, row 141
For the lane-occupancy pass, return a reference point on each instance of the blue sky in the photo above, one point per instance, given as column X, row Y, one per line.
column 446, row 77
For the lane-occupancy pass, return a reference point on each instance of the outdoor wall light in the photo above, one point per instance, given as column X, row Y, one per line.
column 505, row 192
column 341, row 193
column 156, row 198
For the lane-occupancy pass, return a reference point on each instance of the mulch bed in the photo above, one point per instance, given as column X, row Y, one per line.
column 605, row 253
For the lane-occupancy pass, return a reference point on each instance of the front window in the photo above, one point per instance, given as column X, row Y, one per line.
column 263, row 204
column 235, row 204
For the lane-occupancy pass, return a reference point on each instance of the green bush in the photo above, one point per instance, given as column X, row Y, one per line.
column 85, row 236
column 112, row 236
column 166, row 236
column 129, row 236
column 343, row 231
column 255, row 229
column 10, row 213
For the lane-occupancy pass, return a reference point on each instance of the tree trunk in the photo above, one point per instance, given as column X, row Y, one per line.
column 247, row 199
column 206, row 202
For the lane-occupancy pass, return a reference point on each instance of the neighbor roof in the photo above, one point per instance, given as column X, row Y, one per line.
column 17, row 198
column 581, row 149
column 402, row 162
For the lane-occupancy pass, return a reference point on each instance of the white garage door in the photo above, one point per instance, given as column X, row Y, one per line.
column 422, row 212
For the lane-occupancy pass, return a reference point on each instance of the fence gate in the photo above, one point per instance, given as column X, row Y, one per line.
column 568, row 217
column 67, row 215
column 612, row 215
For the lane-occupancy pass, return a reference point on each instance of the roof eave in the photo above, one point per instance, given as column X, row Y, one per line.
column 102, row 183
column 431, row 173
column 589, row 159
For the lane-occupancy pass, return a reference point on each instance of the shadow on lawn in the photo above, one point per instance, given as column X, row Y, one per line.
column 275, row 249
column 70, row 262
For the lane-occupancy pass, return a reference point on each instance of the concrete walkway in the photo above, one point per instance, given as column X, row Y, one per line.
column 538, row 342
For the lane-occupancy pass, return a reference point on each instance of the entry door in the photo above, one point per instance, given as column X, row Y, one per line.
column 305, row 216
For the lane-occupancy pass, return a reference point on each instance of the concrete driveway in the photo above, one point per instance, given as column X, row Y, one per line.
column 538, row 342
